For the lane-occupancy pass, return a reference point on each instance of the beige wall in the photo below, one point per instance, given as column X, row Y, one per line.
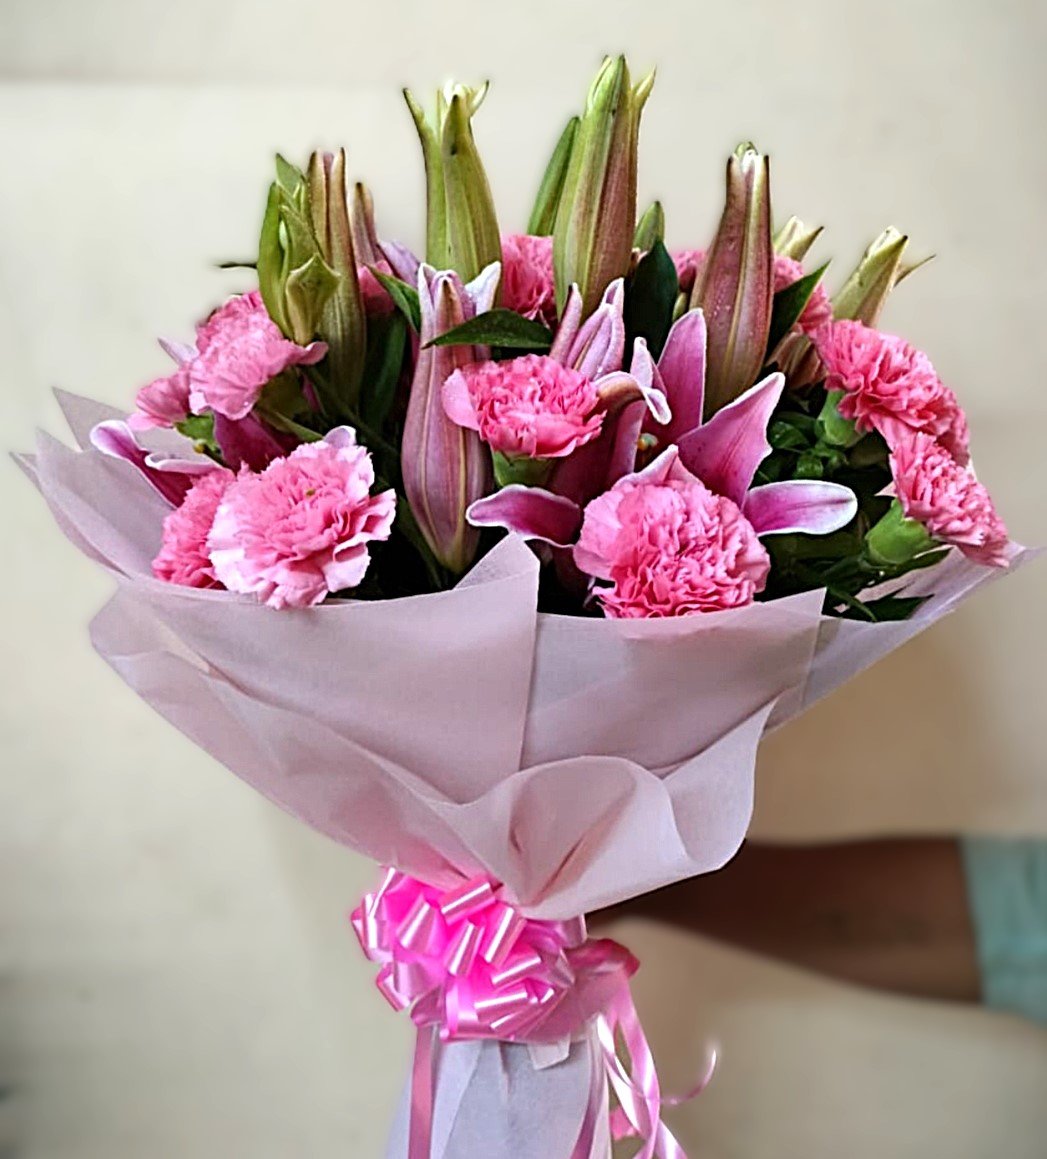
column 179, row 978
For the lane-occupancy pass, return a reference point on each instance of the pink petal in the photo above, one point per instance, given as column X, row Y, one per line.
column 531, row 512
column 246, row 442
column 725, row 453
column 116, row 439
column 458, row 403
column 682, row 369
column 178, row 351
column 570, row 322
column 649, row 380
column 806, row 505
column 617, row 389
column 599, row 346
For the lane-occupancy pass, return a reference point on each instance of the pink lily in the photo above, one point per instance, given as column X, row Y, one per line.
column 445, row 466
column 170, row 471
column 724, row 453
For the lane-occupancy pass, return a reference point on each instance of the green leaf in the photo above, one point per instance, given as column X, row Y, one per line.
column 499, row 327
column 271, row 260
column 788, row 306
column 404, row 297
column 650, row 298
column 386, row 342
column 232, row 265
column 884, row 610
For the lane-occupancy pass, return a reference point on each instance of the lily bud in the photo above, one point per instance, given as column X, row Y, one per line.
column 735, row 286
column 343, row 325
column 651, row 227
column 445, row 467
column 294, row 279
column 596, row 218
column 794, row 239
column 461, row 225
column 879, row 271
column 543, row 215
column 369, row 247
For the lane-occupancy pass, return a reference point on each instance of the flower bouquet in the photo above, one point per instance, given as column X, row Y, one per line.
column 497, row 567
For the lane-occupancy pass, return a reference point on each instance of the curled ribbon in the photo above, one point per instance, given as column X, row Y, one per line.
column 466, row 964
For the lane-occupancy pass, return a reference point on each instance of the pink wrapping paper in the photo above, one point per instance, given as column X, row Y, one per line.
column 578, row 761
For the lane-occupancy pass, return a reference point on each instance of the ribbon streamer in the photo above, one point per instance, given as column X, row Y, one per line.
column 466, row 964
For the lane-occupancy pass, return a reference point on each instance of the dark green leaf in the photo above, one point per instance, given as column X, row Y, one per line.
column 785, row 436
column 386, row 341
column 885, row 609
column 788, row 306
column 499, row 327
column 237, row 266
column 199, row 428
column 650, row 298
column 404, row 297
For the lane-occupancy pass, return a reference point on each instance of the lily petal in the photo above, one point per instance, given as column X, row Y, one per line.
column 570, row 324
column 649, row 377
column 800, row 505
column 116, row 439
column 682, row 371
column 599, row 346
column 179, row 351
column 725, row 453
column 617, row 389
column 247, row 442
column 458, row 404
column 531, row 512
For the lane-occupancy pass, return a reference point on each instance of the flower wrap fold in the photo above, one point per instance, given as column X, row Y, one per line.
column 467, row 964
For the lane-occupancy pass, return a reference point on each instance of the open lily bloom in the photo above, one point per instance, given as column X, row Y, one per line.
column 724, row 453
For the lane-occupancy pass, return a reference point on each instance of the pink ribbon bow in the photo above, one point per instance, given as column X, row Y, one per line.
column 466, row 964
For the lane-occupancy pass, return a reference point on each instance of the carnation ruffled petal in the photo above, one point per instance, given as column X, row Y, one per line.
column 943, row 495
column 299, row 530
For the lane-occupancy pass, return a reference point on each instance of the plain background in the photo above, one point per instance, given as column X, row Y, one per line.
column 178, row 977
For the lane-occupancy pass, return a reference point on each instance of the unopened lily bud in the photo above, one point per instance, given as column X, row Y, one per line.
column 445, row 467
column 343, row 325
column 794, row 239
column 543, row 215
column 461, row 225
column 735, row 285
column 596, row 218
column 651, row 227
column 865, row 291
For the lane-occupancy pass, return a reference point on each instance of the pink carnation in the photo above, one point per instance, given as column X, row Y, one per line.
column 670, row 549
column 688, row 263
column 183, row 557
column 300, row 529
column 818, row 310
column 935, row 490
column 164, row 402
column 890, row 387
column 527, row 276
column 531, row 407
column 239, row 349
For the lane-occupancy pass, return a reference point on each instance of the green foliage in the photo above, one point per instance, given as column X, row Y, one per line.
column 650, row 297
column 500, row 327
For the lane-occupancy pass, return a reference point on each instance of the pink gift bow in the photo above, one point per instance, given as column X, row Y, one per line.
column 466, row 964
